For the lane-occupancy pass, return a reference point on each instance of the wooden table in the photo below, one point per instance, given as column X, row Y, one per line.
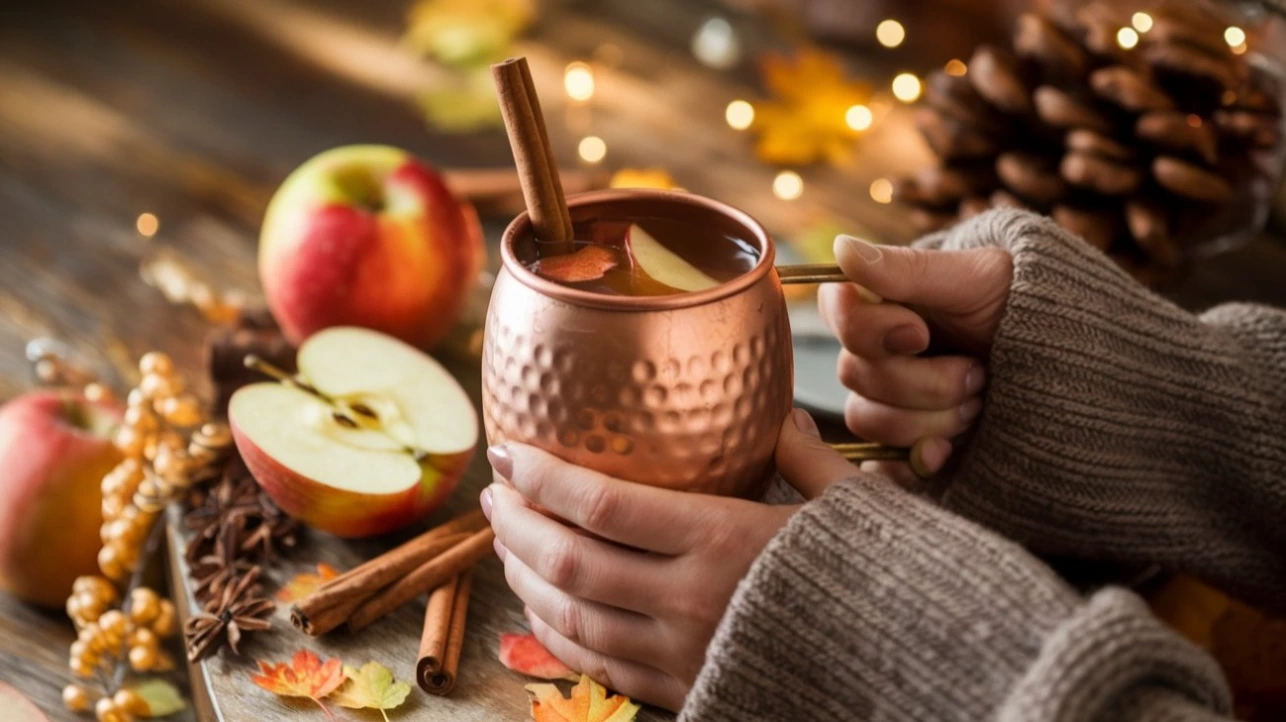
column 195, row 111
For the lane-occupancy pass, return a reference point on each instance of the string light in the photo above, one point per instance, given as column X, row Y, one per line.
column 147, row 224
column 740, row 114
column 882, row 190
column 906, row 87
column 1234, row 36
column 1127, row 38
column 788, row 185
column 890, row 33
column 1141, row 22
column 578, row 79
column 859, row 117
column 592, row 149
column 956, row 67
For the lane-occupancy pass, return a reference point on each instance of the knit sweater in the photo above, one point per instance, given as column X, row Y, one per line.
column 1116, row 426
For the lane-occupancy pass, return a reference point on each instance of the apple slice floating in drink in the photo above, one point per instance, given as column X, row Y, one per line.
column 663, row 265
column 372, row 436
column 588, row 264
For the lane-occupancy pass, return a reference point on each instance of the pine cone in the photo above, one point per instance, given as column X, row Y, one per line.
column 1144, row 152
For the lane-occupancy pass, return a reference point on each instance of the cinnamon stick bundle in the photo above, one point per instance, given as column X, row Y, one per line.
column 529, row 139
column 335, row 601
column 431, row 575
column 443, row 637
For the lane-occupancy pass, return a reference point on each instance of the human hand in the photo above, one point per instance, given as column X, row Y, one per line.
column 908, row 299
column 634, row 599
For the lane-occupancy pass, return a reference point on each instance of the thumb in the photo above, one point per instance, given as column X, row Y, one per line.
column 931, row 279
column 804, row 460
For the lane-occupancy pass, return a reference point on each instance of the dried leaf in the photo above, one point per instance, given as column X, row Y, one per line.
column 371, row 687
column 467, row 32
column 643, row 178
column 162, row 698
column 305, row 676
column 589, row 703
column 808, row 122
column 306, row 583
column 524, row 654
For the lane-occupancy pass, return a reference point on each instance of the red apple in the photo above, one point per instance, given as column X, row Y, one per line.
column 368, row 236
column 55, row 448
column 373, row 437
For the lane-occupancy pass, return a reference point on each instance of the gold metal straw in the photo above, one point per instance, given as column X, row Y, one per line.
column 865, row 451
column 811, row 273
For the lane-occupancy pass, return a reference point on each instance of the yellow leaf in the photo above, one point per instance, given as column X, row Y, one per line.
column 643, row 178
column 464, row 105
column 162, row 698
column 589, row 703
column 808, row 122
column 306, row 583
column 467, row 32
column 371, row 687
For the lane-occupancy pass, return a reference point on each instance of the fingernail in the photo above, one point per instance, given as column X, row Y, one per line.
column 485, row 500
column 500, row 460
column 904, row 340
column 866, row 250
column 867, row 294
column 804, row 422
column 929, row 455
column 969, row 410
column 501, row 551
column 975, row 380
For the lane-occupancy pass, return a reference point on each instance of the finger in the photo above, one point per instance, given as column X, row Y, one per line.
column 804, row 460
column 575, row 563
column 638, row 681
column 903, row 427
column 927, row 384
column 929, row 455
column 900, row 472
column 597, row 627
column 635, row 515
column 930, row 278
column 872, row 331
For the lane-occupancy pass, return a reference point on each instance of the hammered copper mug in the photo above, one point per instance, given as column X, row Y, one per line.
column 685, row 391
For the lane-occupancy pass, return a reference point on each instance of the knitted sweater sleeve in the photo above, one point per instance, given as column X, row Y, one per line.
column 1119, row 426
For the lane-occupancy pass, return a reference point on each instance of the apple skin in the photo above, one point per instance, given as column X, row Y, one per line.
column 351, row 514
column 369, row 236
column 50, row 492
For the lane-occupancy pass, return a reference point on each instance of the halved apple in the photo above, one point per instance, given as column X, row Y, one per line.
column 371, row 436
column 663, row 265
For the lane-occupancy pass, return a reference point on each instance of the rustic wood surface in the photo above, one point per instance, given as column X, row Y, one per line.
column 195, row 111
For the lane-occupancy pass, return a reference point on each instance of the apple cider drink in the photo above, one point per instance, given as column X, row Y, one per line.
column 645, row 257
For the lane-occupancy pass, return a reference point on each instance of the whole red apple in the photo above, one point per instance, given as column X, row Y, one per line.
column 368, row 236
column 55, row 448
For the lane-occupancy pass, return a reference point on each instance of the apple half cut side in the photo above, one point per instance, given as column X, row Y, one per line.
column 663, row 265
column 375, row 435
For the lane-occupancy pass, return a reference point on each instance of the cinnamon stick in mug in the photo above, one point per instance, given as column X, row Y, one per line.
column 443, row 638
column 331, row 604
column 430, row 575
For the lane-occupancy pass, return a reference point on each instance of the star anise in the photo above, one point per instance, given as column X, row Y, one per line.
column 239, row 609
column 217, row 571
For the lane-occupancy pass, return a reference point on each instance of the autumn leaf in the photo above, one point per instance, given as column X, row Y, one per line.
column 161, row 697
column 808, row 121
column 305, row 676
column 589, row 703
column 371, row 687
column 524, row 654
column 462, row 105
column 657, row 178
column 467, row 32
column 306, row 583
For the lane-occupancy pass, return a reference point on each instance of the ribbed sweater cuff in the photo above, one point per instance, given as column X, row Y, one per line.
column 875, row 604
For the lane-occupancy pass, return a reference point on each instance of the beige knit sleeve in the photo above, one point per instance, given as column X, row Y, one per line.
column 1119, row 426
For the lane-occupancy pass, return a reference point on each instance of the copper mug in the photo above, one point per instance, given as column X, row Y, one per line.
column 685, row 391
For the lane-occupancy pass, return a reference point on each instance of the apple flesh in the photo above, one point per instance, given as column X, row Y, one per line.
column 663, row 265
column 55, row 448
column 368, row 236
column 588, row 264
column 18, row 708
column 377, row 436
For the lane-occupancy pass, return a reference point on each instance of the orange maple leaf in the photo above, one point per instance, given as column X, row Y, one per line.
column 305, row 676
column 524, row 654
column 306, row 583
column 809, row 120
column 589, row 703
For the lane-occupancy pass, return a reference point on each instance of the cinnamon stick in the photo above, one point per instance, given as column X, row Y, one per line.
column 529, row 140
column 330, row 605
column 444, row 627
column 432, row 574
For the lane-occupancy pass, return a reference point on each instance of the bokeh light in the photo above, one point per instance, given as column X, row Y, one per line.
column 859, row 117
column 1141, row 22
column 890, row 33
column 788, row 185
column 592, row 149
column 1234, row 36
column 882, row 190
column 147, row 224
column 578, row 79
column 1127, row 38
column 956, row 67
column 906, row 87
column 740, row 114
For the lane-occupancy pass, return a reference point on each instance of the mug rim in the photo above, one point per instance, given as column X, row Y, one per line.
column 521, row 225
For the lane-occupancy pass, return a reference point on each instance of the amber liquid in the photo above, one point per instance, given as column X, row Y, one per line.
column 722, row 257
